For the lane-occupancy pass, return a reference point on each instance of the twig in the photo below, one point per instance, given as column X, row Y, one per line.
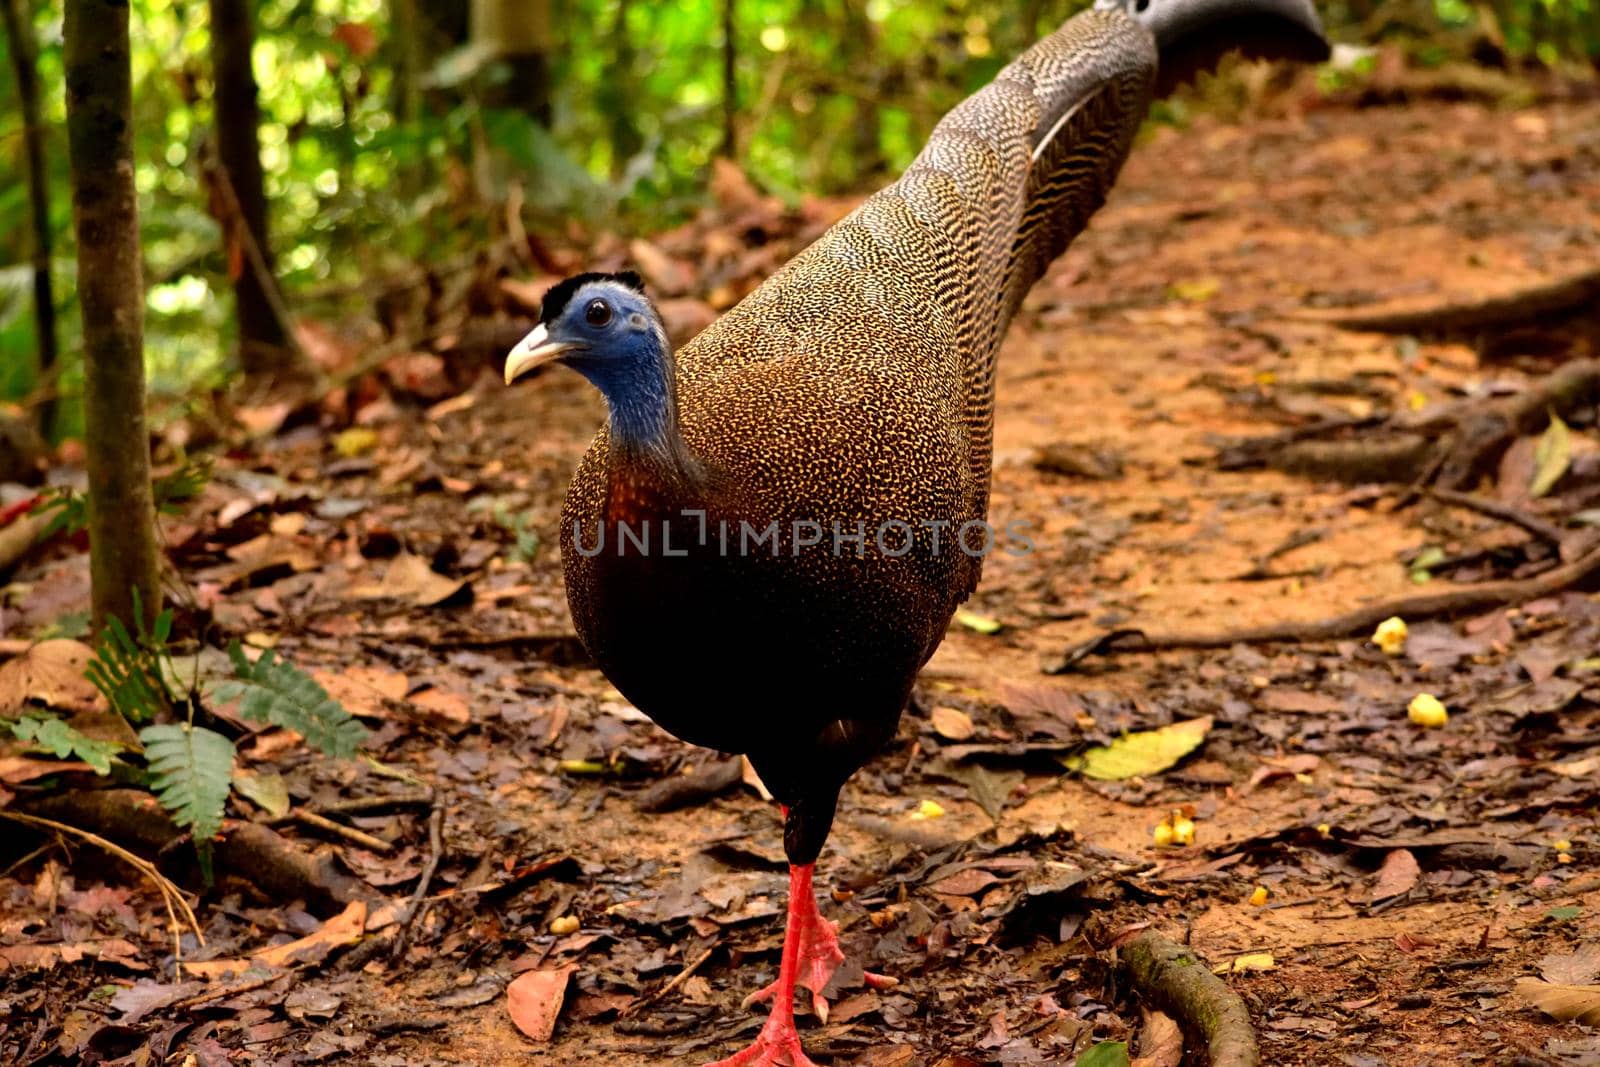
column 1423, row 606
column 676, row 981
column 171, row 895
column 1504, row 512
column 1180, row 984
column 435, row 850
column 339, row 829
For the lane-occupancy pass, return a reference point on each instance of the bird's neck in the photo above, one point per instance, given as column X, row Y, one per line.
column 645, row 439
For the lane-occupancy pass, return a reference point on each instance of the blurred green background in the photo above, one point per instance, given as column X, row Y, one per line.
column 395, row 132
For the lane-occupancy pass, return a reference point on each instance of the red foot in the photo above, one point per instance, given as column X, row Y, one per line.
column 778, row 1045
column 818, row 957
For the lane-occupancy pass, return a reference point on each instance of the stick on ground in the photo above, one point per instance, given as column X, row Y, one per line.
column 1174, row 979
column 1478, row 597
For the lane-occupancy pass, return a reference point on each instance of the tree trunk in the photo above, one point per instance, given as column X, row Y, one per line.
column 123, row 559
column 267, row 355
column 730, row 83
column 517, row 33
column 24, row 57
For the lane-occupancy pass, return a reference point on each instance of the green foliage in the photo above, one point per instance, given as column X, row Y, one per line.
column 191, row 771
column 53, row 735
column 126, row 668
column 169, row 490
column 377, row 159
column 274, row 691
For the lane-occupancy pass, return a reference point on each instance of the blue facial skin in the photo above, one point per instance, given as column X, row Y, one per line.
column 619, row 345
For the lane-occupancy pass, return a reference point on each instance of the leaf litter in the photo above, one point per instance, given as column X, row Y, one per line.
column 1405, row 867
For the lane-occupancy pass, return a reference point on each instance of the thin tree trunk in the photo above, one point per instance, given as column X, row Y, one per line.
column 24, row 58
column 517, row 33
column 123, row 560
column 730, row 82
column 266, row 353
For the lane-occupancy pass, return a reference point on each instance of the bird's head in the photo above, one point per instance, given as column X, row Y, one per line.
column 604, row 327
column 597, row 324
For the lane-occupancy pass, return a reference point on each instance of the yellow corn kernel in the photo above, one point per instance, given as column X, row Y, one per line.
column 1259, row 897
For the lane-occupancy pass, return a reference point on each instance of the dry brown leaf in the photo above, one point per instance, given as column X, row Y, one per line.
column 1578, row 967
column 952, row 723
column 1397, row 876
column 534, row 1000
column 444, row 704
column 965, row 883
column 364, row 691
column 345, row 928
column 50, row 673
column 49, row 955
column 18, row 769
column 1564, row 1002
column 1160, row 1042
column 409, row 578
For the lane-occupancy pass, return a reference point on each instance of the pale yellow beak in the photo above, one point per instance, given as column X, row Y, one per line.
column 534, row 350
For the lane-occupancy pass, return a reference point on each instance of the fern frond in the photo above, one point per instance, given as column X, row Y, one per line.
column 191, row 770
column 275, row 691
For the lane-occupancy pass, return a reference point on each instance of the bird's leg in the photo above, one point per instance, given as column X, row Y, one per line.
column 816, row 942
column 778, row 1044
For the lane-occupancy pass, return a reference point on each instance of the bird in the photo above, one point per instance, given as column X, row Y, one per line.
column 771, row 531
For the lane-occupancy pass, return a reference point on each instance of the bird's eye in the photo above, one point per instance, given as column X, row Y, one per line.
column 598, row 313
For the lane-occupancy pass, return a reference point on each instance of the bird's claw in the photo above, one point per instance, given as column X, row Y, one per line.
column 778, row 1045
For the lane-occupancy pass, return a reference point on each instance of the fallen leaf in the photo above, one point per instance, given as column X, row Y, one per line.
column 1397, row 876
column 952, row 723
column 1160, row 1042
column 267, row 791
column 18, row 769
column 409, row 578
column 1252, row 961
column 364, row 691
column 1563, row 1002
column 147, row 995
column 1552, row 458
column 444, row 704
column 343, row 929
column 48, row 674
column 1105, row 1054
column 1141, row 754
column 978, row 623
column 1579, row 967
column 534, row 1000
column 967, row 883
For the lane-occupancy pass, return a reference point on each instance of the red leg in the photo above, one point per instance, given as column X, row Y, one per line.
column 778, row 1044
column 817, row 955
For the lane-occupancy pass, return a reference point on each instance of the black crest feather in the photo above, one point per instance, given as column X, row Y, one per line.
column 561, row 294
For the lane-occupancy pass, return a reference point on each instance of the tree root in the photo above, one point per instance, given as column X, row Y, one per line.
column 1174, row 979
column 1478, row 597
column 1447, row 450
column 1579, row 294
column 247, row 851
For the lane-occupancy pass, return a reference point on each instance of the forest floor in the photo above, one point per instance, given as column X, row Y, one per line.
column 1412, row 875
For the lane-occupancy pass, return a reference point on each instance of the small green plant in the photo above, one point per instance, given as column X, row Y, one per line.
column 71, row 507
column 274, row 691
column 190, row 768
column 53, row 735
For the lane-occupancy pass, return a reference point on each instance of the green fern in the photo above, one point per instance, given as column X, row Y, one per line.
column 191, row 771
column 127, row 669
column 54, row 736
column 275, row 691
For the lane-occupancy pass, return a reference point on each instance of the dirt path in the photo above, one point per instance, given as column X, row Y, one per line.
column 1411, row 875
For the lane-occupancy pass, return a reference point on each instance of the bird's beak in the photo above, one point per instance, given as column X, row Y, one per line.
column 534, row 350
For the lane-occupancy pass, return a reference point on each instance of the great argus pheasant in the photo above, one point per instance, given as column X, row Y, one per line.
column 770, row 535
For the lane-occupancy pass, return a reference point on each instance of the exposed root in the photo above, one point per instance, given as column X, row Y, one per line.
column 1577, row 295
column 1479, row 597
column 171, row 896
column 256, row 854
column 1174, row 979
column 1448, row 450
column 684, row 790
